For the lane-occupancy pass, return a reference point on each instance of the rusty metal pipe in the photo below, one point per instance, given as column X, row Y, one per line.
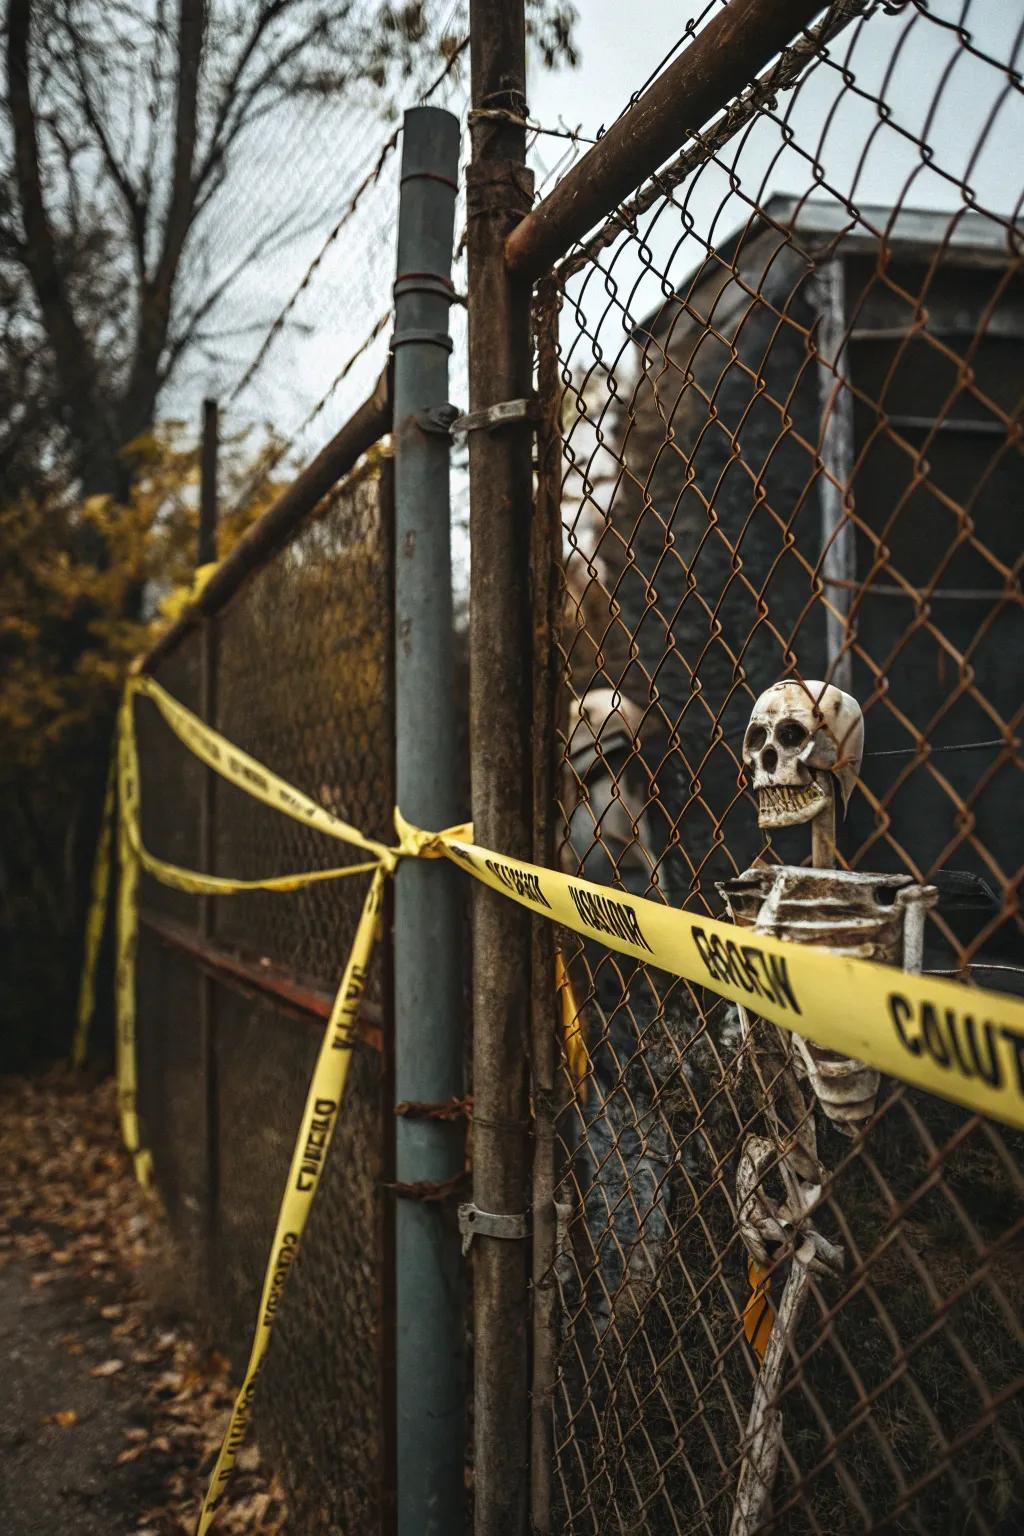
column 547, row 600
column 498, row 192
column 291, row 994
column 720, row 61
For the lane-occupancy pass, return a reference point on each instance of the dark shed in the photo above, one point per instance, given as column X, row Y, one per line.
column 821, row 472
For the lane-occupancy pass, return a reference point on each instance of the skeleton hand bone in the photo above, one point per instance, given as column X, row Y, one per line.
column 767, row 1226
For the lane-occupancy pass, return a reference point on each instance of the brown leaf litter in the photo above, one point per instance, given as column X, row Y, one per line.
column 111, row 1415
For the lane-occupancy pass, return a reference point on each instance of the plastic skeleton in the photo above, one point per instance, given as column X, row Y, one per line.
column 804, row 740
column 624, row 1153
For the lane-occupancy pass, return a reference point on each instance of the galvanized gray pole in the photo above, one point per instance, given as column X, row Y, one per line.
column 428, row 1002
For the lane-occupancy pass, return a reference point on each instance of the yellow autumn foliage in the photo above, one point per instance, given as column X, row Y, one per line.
column 88, row 582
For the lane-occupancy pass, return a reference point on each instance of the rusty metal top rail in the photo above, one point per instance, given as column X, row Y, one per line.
column 718, row 64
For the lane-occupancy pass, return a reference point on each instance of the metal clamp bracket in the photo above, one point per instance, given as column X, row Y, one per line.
column 438, row 420
column 473, row 1222
column 505, row 413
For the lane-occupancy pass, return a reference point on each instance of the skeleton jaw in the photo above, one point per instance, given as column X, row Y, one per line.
column 787, row 805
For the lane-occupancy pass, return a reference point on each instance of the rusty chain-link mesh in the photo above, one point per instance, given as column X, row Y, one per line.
column 302, row 662
column 303, row 680
column 791, row 375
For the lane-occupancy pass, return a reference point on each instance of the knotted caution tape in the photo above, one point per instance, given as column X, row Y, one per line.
column 942, row 1036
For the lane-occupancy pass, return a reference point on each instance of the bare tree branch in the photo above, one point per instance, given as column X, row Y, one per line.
column 157, row 293
column 134, row 205
column 267, row 15
column 76, row 365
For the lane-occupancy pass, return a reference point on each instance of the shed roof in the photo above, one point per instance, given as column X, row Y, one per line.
column 813, row 226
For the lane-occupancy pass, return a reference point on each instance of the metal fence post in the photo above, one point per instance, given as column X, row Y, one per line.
column 385, row 1205
column 547, row 604
column 206, row 551
column 499, row 193
column 428, row 1032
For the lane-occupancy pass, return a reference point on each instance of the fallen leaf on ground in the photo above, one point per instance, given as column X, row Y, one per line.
column 108, row 1368
column 69, row 1191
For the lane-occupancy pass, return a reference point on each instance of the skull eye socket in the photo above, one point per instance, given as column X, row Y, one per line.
column 756, row 738
column 791, row 734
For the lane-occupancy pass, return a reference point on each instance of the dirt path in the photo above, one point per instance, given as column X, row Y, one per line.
column 61, row 1429
column 110, row 1413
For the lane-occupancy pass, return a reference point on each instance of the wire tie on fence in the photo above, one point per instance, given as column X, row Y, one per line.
column 448, row 1109
column 501, row 1123
column 428, row 1191
column 446, row 181
column 473, row 1222
column 498, row 115
column 517, row 120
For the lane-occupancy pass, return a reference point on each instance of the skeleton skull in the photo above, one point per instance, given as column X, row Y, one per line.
column 798, row 732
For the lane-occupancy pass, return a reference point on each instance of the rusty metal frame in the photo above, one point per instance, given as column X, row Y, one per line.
column 716, row 72
column 258, row 977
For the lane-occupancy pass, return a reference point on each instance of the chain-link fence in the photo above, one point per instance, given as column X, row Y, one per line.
column 790, row 374
column 233, row 993
column 780, row 434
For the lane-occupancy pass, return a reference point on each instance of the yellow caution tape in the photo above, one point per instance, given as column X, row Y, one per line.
column 326, row 1088
column 758, row 1314
column 98, row 895
column 195, row 884
column 318, row 1121
column 251, row 776
column 179, row 598
column 960, row 1043
column 127, row 942
column 573, row 1038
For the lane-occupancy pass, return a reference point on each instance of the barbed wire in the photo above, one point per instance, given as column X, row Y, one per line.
column 281, row 450
column 278, row 324
column 370, row 180
column 450, row 66
column 781, row 76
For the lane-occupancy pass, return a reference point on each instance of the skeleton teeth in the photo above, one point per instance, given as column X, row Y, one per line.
column 781, row 805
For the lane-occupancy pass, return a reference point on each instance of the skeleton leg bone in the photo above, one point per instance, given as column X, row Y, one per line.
column 763, row 1223
column 763, row 1441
